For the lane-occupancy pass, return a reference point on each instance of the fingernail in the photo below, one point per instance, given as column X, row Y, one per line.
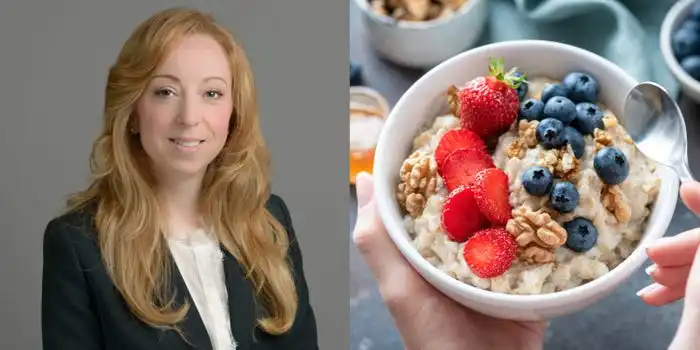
column 647, row 289
column 650, row 269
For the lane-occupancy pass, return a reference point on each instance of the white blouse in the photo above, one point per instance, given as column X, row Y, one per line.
column 200, row 261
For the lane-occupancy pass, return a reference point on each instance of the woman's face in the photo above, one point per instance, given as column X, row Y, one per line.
column 184, row 113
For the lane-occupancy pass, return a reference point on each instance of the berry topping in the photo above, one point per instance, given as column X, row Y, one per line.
column 537, row 181
column 561, row 108
column 523, row 87
column 461, row 165
column 611, row 165
column 456, row 139
column 488, row 105
column 492, row 195
column 461, row 216
column 564, row 197
column 550, row 133
column 581, row 87
column 588, row 118
column 575, row 139
column 490, row 252
column 551, row 90
column 581, row 234
column 531, row 109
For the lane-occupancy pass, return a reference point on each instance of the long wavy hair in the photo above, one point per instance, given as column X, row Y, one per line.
column 234, row 191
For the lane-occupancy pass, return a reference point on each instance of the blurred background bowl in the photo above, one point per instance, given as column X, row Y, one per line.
column 675, row 18
column 424, row 44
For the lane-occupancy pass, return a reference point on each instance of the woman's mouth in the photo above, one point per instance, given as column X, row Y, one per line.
column 186, row 142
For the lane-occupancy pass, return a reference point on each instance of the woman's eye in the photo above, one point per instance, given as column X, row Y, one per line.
column 214, row 94
column 164, row 93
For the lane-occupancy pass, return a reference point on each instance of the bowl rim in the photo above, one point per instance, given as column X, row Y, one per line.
column 387, row 205
column 390, row 22
column 675, row 15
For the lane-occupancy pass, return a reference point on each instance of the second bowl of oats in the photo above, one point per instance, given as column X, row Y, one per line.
column 422, row 33
column 506, row 177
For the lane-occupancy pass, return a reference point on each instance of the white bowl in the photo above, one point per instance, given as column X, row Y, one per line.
column 422, row 102
column 424, row 44
column 674, row 17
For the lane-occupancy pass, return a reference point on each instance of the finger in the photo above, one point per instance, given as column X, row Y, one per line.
column 675, row 250
column 669, row 275
column 690, row 195
column 364, row 189
column 658, row 295
column 692, row 304
column 371, row 238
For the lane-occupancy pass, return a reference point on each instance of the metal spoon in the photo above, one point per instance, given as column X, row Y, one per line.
column 655, row 123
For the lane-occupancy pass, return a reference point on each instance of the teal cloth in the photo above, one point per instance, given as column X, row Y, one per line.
column 624, row 32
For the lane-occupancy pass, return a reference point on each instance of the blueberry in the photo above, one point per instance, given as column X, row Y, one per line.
column 611, row 165
column 691, row 24
column 564, row 197
column 355, row 74
column 537, row 181
column 580, row 87
column 551, row 90
column 581, row 234
column 588, row 118
column 685, row 42
column 575, row 139
column 550, row 133
column 691, row 65
column 531, row 109
column 695, row 11
column 560, row 107
column 522, row 88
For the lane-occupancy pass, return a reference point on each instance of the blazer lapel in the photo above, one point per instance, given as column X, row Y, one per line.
column 194, row 330
column 241, row 304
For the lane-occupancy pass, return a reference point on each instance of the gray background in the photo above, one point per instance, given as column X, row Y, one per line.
column 54, row 57
column 620, row 321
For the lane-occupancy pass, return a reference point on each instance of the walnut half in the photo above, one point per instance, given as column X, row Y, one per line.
column 535, row 232
column 616, row 203
column 527, row 138
column 418, row 182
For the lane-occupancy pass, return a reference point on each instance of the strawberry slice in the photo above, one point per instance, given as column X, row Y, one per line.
column 461, row 166
column 492, row 196
column 456, row 139
column 490, row 252
column 461, row 216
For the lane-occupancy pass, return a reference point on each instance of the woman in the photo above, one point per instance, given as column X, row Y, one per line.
column 437, row 322
column 177, row 243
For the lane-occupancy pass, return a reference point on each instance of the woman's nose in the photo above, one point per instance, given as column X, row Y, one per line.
column 189, row 113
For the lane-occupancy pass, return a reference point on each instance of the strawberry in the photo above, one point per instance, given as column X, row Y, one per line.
column 455, row 139
column 462, row 164
column 490, row 252
column 489, row 104
column 461, row 216
column 492, row 196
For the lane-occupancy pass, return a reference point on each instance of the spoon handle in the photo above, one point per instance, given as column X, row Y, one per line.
column 684, row 172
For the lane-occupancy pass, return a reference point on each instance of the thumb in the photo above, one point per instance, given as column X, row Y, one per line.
column 370, row 236
column 690, row 195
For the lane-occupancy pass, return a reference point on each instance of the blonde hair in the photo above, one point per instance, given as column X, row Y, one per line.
column 235, row 188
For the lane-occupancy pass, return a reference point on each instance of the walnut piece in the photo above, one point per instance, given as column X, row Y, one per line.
column 536, row 255
column 453, row 100
column 415, row 10
column 562, row 163
column 418, row 182
column 602, row 139
column 535, row 229
column 527, row 138
column 615, row 202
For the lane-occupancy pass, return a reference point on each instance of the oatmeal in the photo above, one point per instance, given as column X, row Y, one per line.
column 590, row 180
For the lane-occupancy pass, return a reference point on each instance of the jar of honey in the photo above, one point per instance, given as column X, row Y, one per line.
column 368, row 110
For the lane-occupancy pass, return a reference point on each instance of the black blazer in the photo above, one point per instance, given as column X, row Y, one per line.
column 82, row 310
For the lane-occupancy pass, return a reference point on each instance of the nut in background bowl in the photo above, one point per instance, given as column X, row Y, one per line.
column 421, row 103
column 424, row 44
column 674, row 18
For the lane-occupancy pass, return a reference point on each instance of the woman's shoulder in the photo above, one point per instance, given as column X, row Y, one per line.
column 75, row 226
column 278, row 208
